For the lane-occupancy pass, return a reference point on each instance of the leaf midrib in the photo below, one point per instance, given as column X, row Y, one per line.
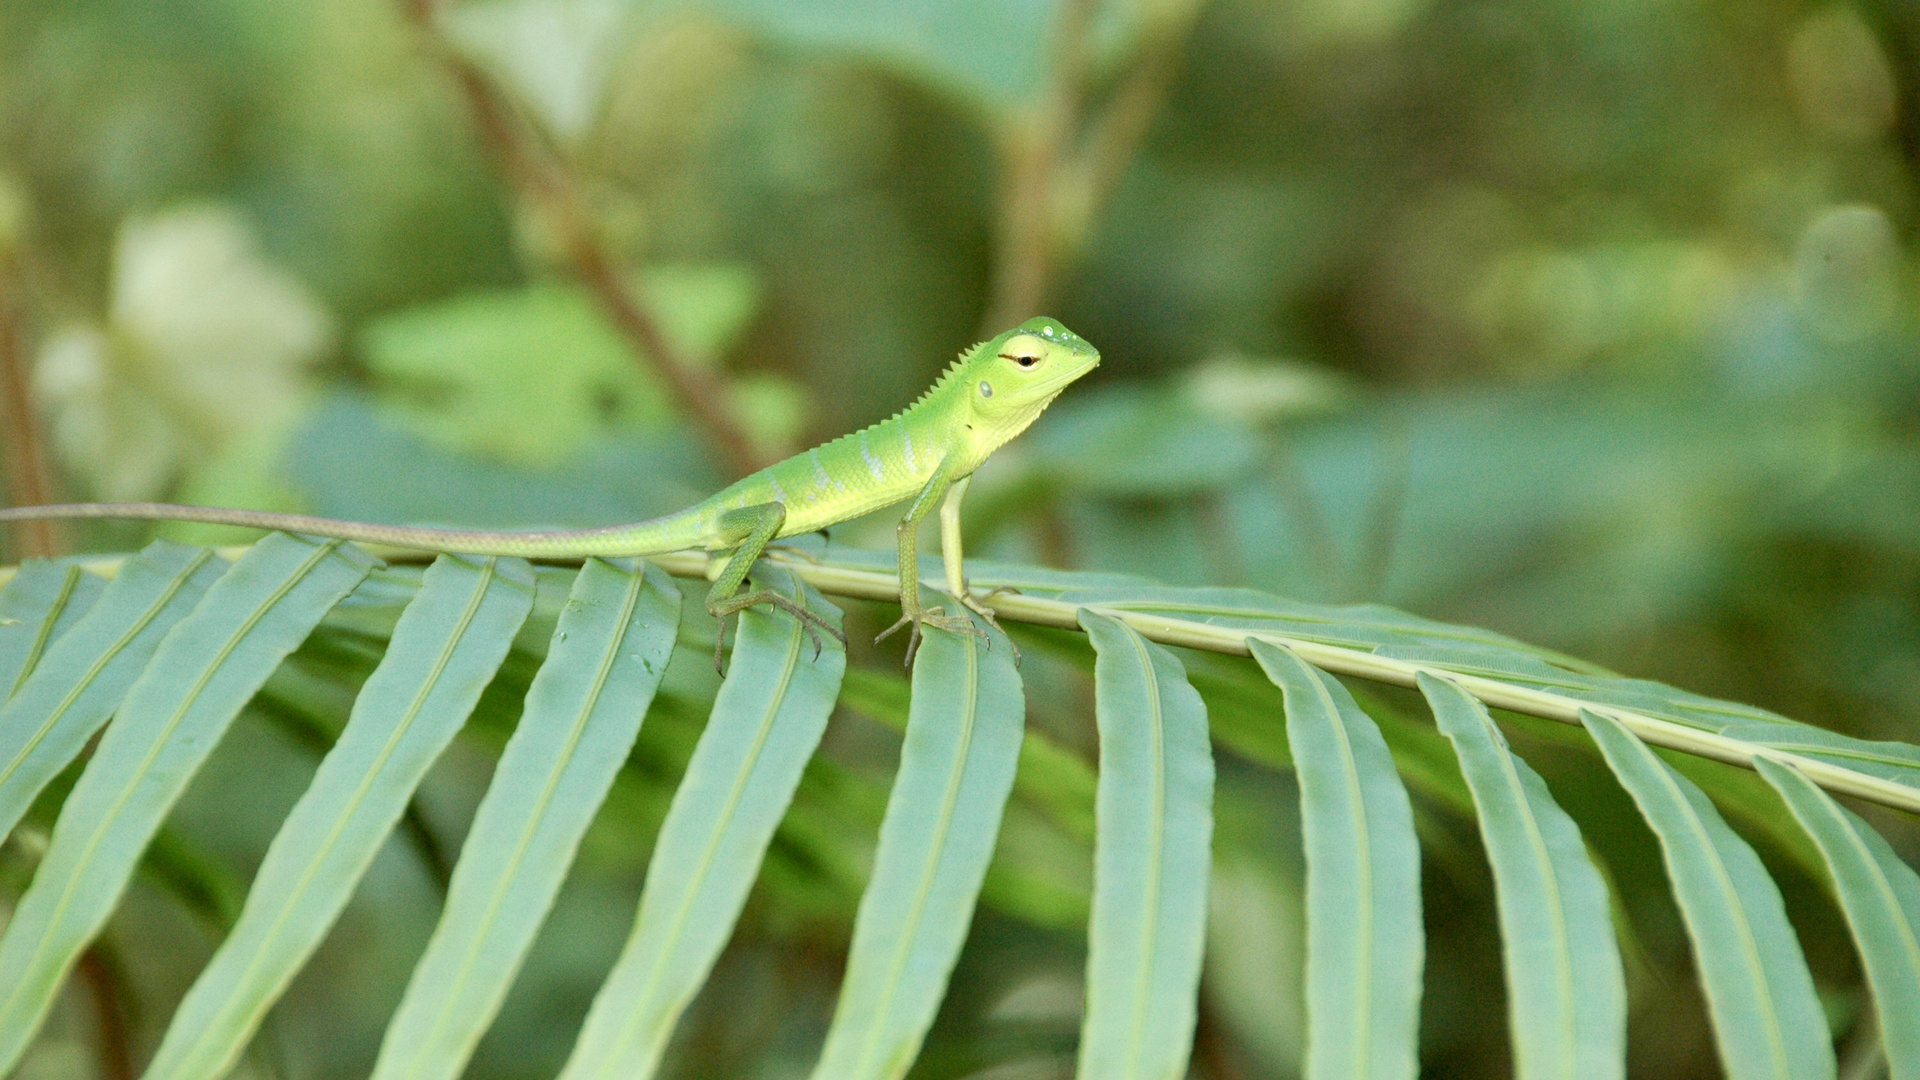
column 44, row 634
column 1150, row 918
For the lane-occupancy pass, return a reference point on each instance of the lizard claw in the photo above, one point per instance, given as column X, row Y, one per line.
column 810, row 621
column 979, row 607
column 939, row 620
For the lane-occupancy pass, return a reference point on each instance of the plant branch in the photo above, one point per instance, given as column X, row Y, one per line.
column 1032, row 148
column 534, row 170
column 28, row 480
column 861, row 583
column 100, row 971
column 1115, row 136
column 1051, row 192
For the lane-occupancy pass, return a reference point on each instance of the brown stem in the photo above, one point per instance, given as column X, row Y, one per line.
column 1211, row 1052
column 1032, row 151
column 107, row 989
column 28, row 480
column 533, row 169
column 1116, row 135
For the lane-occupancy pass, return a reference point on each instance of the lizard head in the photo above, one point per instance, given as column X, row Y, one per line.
column 1017, row 374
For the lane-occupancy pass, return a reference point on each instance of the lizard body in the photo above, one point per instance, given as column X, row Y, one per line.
column 925, row 453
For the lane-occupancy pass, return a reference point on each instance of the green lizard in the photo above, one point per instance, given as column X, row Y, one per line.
column 925, row 453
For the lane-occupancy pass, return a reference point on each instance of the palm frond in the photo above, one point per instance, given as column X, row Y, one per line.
column 446, row 647
column 1766, row 1016
column 583, row 711
column 1151, row 859
column 956, row 769
column 982, row 809
column 201, row 675
column 766, row 722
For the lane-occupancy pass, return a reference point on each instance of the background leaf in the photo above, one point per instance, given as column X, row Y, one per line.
column 989, row 55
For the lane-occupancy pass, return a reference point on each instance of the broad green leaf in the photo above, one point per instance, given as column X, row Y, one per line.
column 446, row 647
column 1566, row 994
column 1126, row 441
column 532, row 375
column 1365, row 942
column 703, row 308
column 1151, row 859
column 355, row 459
column 582, row 714
column 523, row 376
column 42, row 602
column 1766, row 1017
column 957, row 766
column 1881, row 898
column 766, row 722
column 210, row 663
column 990, row 54
column 82, row 676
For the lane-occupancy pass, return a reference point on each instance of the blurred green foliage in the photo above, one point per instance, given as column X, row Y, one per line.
column 1592, row 321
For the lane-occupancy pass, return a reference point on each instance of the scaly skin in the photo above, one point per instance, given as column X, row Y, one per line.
column 925, row 453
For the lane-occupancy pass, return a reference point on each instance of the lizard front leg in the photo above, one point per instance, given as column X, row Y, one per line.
column 952, row 557
column 912, row 614
column 756, row 526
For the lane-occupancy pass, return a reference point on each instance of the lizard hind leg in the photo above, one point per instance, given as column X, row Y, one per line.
column 756, row 526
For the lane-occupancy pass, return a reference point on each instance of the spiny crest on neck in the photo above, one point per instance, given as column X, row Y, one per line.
column 946, row 378
column 951, row 373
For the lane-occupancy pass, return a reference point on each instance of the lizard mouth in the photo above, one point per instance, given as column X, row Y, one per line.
column 1059, row 382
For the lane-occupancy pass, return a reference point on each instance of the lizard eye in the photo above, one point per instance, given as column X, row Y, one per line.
column 1025, row 360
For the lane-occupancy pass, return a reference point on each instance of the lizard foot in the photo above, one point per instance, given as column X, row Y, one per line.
column 936, row 618
column 810, row 621
column 979, row 607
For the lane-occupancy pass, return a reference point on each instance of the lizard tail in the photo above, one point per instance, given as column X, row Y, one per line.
column 686, row 529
